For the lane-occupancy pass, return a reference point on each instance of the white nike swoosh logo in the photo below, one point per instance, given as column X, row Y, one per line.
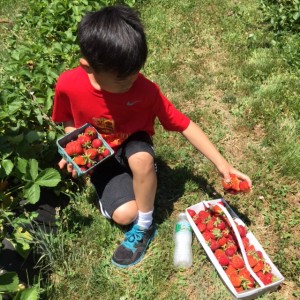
column 131, row 103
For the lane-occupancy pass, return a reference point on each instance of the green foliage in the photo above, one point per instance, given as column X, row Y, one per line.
column 282, row 15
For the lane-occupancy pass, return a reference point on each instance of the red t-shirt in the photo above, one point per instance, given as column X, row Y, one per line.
column 114, row 114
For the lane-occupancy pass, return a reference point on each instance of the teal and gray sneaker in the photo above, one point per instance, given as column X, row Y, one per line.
column 134, row 246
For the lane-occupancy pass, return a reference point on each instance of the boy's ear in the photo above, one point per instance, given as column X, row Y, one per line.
column 85, row 65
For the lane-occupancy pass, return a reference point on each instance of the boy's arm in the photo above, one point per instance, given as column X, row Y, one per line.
column 200, row 141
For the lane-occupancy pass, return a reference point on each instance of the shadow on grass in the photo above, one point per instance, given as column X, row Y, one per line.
column 171, row 186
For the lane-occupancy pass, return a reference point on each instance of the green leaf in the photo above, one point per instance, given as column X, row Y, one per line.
column 21, row 165
column 27, row 294
column 7, row 165
column 32, row 192
column 48, row 177
column 33, row 136
column 33, row 168
column 9, row 282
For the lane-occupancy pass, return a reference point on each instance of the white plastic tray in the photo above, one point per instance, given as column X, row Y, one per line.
column 248, row 294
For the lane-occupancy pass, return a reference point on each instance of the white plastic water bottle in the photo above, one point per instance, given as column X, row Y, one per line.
column 183, row 256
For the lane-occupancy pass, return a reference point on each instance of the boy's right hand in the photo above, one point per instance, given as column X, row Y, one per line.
column 62, row 163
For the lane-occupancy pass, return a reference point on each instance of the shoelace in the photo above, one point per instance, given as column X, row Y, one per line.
column 131, row 237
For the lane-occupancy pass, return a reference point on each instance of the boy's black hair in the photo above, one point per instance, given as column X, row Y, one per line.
column 113, row 39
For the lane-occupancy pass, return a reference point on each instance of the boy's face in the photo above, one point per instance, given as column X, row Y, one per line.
column 110, row 82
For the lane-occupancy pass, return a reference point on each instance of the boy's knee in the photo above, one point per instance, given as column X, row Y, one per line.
column 126, row 213
column 141, row 163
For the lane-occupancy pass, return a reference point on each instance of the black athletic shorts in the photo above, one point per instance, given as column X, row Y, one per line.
column 113, row 178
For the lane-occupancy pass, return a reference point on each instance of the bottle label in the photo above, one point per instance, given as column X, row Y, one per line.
column 183, row 226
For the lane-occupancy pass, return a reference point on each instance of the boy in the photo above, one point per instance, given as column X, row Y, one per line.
column 108, row 91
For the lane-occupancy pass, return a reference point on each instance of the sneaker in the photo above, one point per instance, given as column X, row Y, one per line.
column 133, row 248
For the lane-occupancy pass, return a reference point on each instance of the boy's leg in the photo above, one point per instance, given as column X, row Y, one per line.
column 138, row 154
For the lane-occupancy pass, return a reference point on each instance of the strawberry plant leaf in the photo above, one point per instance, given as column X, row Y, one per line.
column 32, row 192
column 48, row 177
column 33, row 168
column 7, row 166
column 29, row 293
column 21, row 165
column 9, row 282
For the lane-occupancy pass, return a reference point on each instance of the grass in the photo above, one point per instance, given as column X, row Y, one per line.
column 215, row 62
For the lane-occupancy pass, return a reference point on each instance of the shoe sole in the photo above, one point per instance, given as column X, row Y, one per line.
column 141, row 257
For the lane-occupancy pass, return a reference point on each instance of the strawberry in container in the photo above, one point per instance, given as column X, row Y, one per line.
column 84, row 148
column 240, row 260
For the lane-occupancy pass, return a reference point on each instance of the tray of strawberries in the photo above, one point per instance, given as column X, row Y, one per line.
column 84, row 148
column 238, row 257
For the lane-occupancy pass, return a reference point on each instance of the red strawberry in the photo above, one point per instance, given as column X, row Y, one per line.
column 235, row 183
column 244, row 186
column 96, row 143
column 191, row 212
column 206, row 235
column 230, row 250
column 226, row 185
column 79, row 160
column 237, row 261
column 73, row 148
column 259, row 266
column 201, row 227
column 105, row 152
column 245, row 242
column 219, row 252
column 210, row 225
column 91, row 132
column 214, row 245
column 235, row 280
column 230, row 270
column 267, row 268
column 247, row 282
column 267, row 278
column 204, row 215
column 216, row 233
column 244, row 273
column 223, row 260
column 84, row 140
column 91, row 153
column 252, row 260
column 242, row 230
column 100, row 157
column 222, row 241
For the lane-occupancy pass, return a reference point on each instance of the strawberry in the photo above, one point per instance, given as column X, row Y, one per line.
column 206, row 235
column 259, row 254
column 230, row 270
column 214, row 245
column 235, row 280
column 219, row 252
column 223, row 260
column 245, row 242
column 191, row 212
column 226, row 185
column 230, row 250
column 79, row 160
column 100, row 157
column 235, row 183
column 259, row 266
column 105, row 152
column 242, row 230
column 244, row 273
column 204, row 215
column 237, row 261
column 91, row 153
column 96, row 143
column 222, row 241
column 252, row 260
column 201, row 227
column 84, row 140
column 216, row 233
column 267, row 268
column 267, row 278
column 91, row 132
column 210, row 224
column 73, row 148
column 247, row 282
column 244, row 186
